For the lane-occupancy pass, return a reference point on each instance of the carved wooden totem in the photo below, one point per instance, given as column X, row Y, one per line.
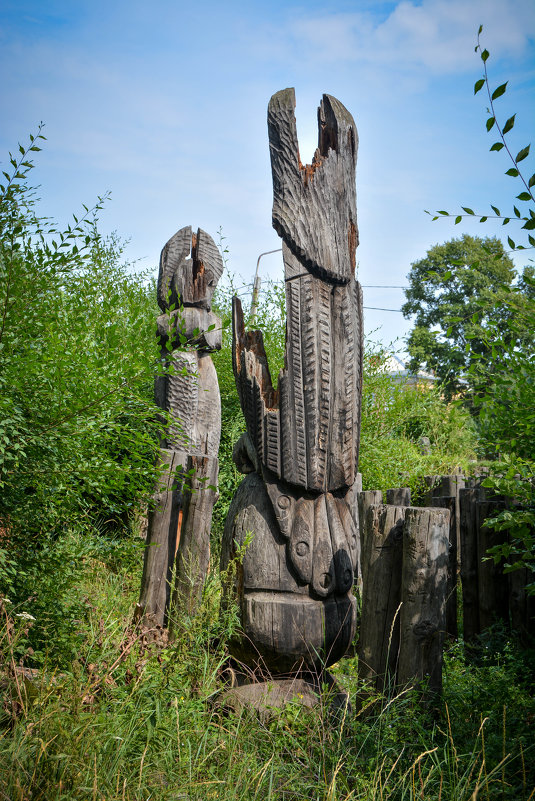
column 179, row 527
column 301, row 445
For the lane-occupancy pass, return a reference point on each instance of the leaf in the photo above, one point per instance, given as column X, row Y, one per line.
column 484, row 55
column 479, row 85
column 531, row 181
column 512, row 172
column 483, row 219
column 521, row 155
column 499, row 91
column 516, row 211
column 490, row 122
column 524, row 196
column 458, row 220
column 529, row 225
column 511, row 243
column 496, row 210
column 446, row 213
column 467, row 210
column 480, row 30
column 497, row 146
column 506, row 220
column 531, row 240
column 509, row 124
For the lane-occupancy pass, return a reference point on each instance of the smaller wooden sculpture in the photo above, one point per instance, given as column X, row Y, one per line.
column 179, row 526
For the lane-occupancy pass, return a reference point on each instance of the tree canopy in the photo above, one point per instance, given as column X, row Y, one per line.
column 455, row 293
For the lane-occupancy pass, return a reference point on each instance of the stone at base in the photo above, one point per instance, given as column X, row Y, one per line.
column 265, row 696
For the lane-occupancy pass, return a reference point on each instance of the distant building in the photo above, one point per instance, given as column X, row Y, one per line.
column 400, row 374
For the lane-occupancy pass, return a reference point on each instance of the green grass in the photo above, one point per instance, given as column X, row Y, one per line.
column 131, row 721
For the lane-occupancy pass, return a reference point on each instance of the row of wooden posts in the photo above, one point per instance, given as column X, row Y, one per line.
column 412, row 559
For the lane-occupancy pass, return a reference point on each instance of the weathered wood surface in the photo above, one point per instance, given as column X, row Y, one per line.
column 285, row 625
column 446, row 487
column 303, row 439
column 492, row 583
column 364, row 500
column 162, row 537
column 380, row 621
column 190, row 267
column 307, row 433
column 400, row 496
column 469, row 563
column 451, row 503
column 423, row 611
column 178, row 539
column 314, row 206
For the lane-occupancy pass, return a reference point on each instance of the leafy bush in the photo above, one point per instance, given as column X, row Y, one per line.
column 78, row 426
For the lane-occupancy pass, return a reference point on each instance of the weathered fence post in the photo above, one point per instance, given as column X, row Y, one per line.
column 401, row 496
column 492, row 583
column 365, row 499
column 379, row 625
column 443, row 492
column 451, row 504
column 423, row 610
column 301, row 447
column 469, row 563
column 178, row 539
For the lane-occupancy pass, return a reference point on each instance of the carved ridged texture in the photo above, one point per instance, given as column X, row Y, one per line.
column 315, row 444
column 190, row 281
column 173, row 256
column 314, row 206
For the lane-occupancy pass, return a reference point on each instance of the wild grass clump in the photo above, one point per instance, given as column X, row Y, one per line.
column 131, row 720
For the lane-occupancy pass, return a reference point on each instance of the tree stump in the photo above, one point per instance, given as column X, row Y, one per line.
column 178, row 538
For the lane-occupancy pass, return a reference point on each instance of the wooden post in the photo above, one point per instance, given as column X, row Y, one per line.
column 365, row 499
column 379, row 627
column 162, row 536
column 178, row 537
column 301, row 447
column 469, row 564
column 401, row 496
column 492, row 583
column 424, row 583
column 451, row 504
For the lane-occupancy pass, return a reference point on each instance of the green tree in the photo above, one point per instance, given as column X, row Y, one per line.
column 503, row 387
column 454, row 293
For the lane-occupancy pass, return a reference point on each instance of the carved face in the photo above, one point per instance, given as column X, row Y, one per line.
column 190, row 267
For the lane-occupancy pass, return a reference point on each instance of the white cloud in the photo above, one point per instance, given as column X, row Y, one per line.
column 437, row 35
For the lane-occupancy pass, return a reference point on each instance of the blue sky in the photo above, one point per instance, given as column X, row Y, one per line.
column 164, row 104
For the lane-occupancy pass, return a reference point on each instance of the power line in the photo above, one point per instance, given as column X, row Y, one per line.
column 378, row 308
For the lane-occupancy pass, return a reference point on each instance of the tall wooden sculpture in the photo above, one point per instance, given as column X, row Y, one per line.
column 179, row 526
column 297, row 508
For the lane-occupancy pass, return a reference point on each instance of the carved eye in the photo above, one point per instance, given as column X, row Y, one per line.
column 283, row 502
column 302, row 548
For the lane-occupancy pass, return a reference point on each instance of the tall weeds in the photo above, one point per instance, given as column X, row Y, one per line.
column 132, row 720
